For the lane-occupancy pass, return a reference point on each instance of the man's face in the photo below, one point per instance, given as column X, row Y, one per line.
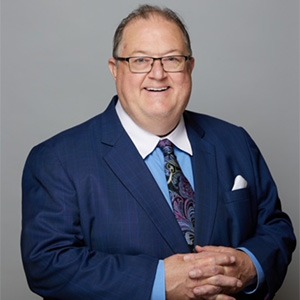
column 156, row 97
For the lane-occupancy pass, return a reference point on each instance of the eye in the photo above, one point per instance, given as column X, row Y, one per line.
column 172, row 59
column 141, row 60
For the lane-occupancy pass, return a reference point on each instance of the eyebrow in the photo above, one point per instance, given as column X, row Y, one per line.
column 144, row 53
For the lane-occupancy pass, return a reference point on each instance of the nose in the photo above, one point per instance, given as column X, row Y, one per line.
column 157, row 70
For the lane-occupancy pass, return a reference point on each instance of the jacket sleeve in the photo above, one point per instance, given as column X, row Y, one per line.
column 57, row 261
column 273, row 241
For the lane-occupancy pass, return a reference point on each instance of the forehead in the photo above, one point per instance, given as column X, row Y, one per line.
column 155, row 34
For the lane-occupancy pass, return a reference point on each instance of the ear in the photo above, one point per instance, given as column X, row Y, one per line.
column 112, row 64
column 192, row 64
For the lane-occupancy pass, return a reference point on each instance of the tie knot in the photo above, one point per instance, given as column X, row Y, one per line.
column 166, row 146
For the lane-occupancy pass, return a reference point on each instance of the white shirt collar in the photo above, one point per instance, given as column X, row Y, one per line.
column 145, row 142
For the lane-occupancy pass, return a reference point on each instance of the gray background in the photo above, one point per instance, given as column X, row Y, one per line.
column 55, row 75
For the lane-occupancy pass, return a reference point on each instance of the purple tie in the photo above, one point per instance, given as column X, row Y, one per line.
column 181, row 193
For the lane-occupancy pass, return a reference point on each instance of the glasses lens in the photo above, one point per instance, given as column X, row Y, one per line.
column 140, row 64
column 173, row 63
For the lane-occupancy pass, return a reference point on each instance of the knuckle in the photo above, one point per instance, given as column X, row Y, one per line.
column 216, row 280
column 214, row 270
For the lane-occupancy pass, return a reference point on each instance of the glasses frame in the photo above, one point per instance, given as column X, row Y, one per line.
column 126, row 59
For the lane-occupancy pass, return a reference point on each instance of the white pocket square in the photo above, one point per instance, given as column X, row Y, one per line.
column 239, row 183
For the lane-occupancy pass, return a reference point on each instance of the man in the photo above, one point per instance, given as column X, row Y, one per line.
column 101, row 218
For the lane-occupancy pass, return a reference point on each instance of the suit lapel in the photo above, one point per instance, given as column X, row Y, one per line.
column 127, row 164
column 206, row 183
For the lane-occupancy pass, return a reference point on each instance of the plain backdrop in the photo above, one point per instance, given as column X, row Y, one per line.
column 55, row 75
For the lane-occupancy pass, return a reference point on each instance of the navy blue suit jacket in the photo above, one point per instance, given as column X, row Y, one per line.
column 95, row 222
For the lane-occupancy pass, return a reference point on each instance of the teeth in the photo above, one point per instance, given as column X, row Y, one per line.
column 157, row 89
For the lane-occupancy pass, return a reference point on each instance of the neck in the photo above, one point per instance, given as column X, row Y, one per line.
column 160, row 128
column 164, row 135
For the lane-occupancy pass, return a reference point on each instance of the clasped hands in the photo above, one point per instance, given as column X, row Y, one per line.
column 212, row 273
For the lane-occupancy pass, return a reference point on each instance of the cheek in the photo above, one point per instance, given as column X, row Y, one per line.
column 182, row 79
column 183, row 85
column 128, row 83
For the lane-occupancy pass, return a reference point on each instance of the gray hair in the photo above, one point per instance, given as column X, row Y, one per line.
column 145, row 12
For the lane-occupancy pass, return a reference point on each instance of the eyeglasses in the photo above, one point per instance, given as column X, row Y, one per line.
column 144, row 64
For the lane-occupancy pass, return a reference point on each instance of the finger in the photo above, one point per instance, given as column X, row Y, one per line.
column 210, row 258
column 224, row 297
column 209, row 292
column 206, row 271
column 221, row 260
column 206, row 291
column 218, row 297
column 199, row 249
column 217, row 249
column 223, row 281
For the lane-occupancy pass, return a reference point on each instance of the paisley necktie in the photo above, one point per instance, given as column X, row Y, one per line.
column 180, row 190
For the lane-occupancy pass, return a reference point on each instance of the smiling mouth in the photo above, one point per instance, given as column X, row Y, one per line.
column 157, row 90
